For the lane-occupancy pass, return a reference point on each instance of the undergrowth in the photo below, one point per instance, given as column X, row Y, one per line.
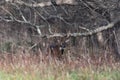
column 41, row 67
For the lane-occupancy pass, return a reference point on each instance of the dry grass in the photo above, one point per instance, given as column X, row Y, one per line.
column 40, row 67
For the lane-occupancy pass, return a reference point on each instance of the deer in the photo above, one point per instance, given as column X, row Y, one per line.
column 57, row 48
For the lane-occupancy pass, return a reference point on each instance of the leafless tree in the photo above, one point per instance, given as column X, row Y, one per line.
column 66, row 18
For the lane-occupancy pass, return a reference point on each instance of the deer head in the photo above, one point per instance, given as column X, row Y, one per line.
column 56, row 49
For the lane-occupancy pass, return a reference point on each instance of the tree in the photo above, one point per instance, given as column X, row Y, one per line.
column 71, row 18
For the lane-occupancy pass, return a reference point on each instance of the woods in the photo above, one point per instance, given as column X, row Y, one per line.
column 36, row 23
column 59, row 39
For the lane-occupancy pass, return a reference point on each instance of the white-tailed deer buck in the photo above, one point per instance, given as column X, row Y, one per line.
column 56, row 49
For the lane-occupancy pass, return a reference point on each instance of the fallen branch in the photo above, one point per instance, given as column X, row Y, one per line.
column 100, row 29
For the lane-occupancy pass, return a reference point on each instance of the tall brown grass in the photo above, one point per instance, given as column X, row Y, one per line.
column 30, row 62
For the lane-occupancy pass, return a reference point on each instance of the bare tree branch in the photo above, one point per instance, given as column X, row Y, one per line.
column 100, row 29
column 90, row 32
column 43, row 4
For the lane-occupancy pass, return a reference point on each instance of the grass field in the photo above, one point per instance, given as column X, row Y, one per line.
column 32, row 67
